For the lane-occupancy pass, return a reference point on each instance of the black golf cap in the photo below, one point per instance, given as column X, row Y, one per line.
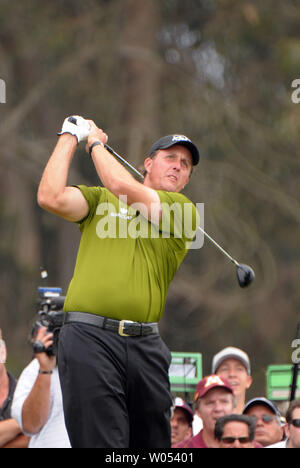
column 171, row 140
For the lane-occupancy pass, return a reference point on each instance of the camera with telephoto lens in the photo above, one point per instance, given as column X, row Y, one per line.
column 51, row 316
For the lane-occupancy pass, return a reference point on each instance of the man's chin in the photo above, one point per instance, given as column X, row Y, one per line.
column 170, row 186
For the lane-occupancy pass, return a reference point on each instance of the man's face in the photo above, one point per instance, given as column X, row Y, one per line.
column 292, row 432
column 236, row 435
column 170, row 169
column 216, row 403
column 180, row 427
column 268, row 431
column 236, row 373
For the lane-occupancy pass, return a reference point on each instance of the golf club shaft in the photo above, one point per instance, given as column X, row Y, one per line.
column 123, row 161
column 137, row 173
column 218, row 246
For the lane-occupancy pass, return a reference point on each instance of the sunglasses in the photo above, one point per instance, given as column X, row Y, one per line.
column 231, row 440
column 266, row 418
column 296, row 422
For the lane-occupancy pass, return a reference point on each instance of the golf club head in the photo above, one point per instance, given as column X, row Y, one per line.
column 245, row 275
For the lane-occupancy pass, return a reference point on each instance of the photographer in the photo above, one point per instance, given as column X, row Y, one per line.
column 37, row 403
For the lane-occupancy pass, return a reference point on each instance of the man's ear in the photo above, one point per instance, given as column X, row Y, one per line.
column 147, row 164
column 249, row 381
column 286, row 429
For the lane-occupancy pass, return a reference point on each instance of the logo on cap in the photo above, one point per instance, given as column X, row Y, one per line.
column 213, row 380
column 209, row 382
column 180, row 138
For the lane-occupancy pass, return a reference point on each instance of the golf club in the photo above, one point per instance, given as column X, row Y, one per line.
column 245, row 273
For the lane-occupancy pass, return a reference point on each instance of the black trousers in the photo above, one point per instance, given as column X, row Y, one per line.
column 116, row 391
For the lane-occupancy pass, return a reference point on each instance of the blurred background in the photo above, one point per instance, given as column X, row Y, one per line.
column 219, row 71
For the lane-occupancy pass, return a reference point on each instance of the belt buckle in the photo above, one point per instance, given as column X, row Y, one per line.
column 122, row 324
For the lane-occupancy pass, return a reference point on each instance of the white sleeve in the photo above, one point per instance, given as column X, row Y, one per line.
column 24, row 386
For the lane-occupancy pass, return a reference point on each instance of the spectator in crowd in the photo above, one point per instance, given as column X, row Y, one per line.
column 235, row 431
column 181, row 421
column 269, row 429
column 292, row 427
column 37, row 404
column 213, row 398
column 234, row 365
column 10, row 432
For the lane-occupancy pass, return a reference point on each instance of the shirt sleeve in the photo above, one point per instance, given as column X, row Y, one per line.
column 24, row 386
column 93, row 197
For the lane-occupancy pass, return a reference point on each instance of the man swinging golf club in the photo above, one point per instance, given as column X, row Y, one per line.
column 112, row 361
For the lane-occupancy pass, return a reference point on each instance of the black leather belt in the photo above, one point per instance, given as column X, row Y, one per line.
column 123, row 327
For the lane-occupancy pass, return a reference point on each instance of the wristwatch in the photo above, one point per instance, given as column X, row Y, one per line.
column 95, row 144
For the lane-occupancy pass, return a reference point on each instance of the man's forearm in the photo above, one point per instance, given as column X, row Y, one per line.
column 36, row 407
column 54, row 179
column 21, row 441
column 111, row 173
column 9, row 429
column 121, row 183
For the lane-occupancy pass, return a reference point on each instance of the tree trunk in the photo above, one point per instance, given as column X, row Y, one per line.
column 139, row 77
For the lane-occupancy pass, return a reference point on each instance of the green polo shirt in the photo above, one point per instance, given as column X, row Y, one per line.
column 125, row 264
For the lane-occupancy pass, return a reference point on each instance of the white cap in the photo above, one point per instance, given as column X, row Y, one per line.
column 230, row 353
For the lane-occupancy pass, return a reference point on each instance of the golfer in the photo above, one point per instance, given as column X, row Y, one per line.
column 112, row 361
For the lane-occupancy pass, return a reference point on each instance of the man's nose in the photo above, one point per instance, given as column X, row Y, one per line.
column 236, row 443
column 259, row 422
column 218, row 407
column 176, row 165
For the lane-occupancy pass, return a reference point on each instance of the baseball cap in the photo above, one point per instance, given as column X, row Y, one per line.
column 171, row 140
column 180, row 403
column 261, row 401
column 209, row 382
column 233, row 353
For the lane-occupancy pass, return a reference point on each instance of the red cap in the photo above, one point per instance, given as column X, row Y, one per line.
column 209, row 382
column 180, row 403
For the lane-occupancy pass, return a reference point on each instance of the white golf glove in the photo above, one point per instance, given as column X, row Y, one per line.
column 77, row 126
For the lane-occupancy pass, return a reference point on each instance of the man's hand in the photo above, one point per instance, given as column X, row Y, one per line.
column 77, row 126
column 47, row 363
column 95, row 134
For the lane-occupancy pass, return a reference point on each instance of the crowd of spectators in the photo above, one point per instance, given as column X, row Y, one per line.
column 228, row 420
column 31, row 409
